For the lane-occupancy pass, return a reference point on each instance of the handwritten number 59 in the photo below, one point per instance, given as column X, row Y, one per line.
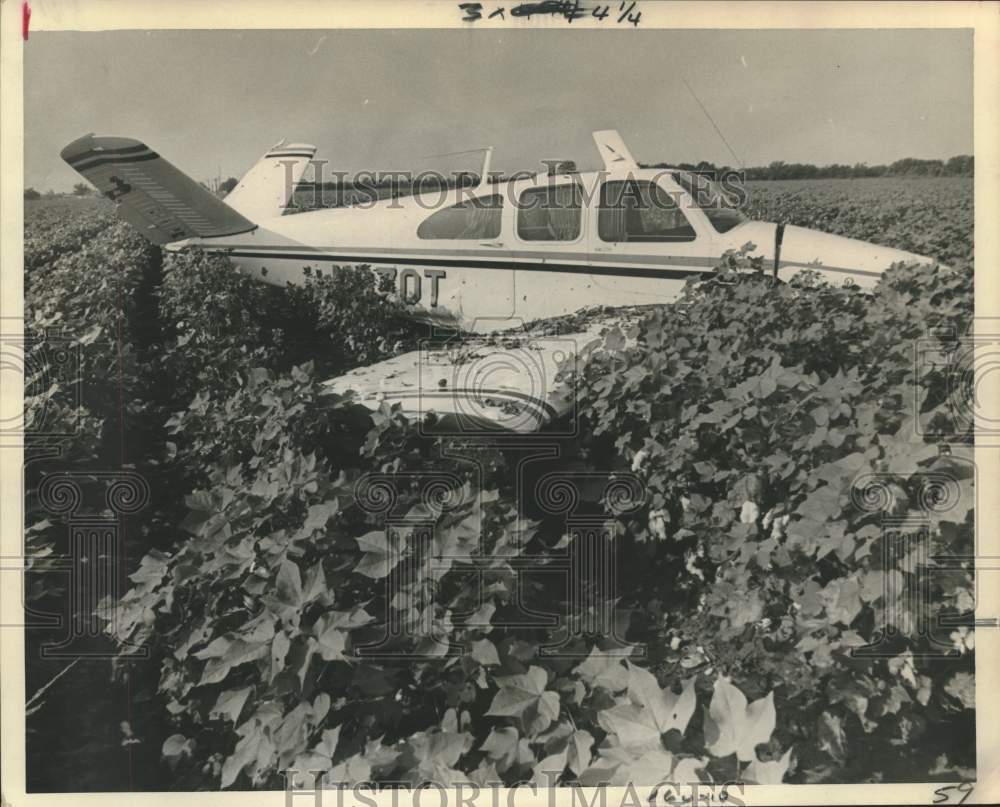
column 946, row 794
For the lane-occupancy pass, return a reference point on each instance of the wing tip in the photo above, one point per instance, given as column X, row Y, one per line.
column 286, row 149
column 89, row 142
column 77, row 147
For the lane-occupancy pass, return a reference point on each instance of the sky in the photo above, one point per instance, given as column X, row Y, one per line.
column 213, row 102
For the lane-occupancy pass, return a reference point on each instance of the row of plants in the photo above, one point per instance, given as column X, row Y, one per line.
column 925, row 216
column 325, row 589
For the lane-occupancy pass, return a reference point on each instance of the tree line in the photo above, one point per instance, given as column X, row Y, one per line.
column 961, row 165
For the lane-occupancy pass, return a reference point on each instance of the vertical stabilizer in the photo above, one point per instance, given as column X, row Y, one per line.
column 266, row 189
column 615, row 154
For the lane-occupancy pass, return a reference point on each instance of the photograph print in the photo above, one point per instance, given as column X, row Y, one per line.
column 550, row 399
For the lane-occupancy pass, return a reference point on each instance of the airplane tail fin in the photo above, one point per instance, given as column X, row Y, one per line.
column 163, row 203
column 617, row 158
column 266, row 189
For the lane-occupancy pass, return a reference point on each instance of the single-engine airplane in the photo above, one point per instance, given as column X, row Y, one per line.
column 478, row 260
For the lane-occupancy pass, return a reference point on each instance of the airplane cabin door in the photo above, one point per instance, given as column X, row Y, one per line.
column 475, row 278
column 643, row 242
column 486, row 286
column 552, row 277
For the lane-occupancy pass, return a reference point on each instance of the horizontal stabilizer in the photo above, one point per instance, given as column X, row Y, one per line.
column 163, row 203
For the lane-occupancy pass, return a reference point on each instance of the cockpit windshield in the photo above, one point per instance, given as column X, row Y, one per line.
column 711, row 199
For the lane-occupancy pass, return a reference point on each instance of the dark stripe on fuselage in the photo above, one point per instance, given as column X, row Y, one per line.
column 513, row 263
column 464, row 392
column 96, row 163
column 532, row 264
column 291, row 154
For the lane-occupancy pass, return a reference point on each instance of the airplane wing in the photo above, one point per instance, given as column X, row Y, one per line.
column 163, row 203
column 500, row 384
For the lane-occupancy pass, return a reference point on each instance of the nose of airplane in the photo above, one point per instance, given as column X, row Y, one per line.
column 837, row 258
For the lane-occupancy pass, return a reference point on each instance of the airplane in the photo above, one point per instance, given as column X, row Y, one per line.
column 481, row 260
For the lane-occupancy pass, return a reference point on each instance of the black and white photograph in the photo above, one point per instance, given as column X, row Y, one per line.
column 463, row 399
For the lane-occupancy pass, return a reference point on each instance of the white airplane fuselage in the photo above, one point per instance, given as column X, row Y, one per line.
column 502, row 274
column 492, row 258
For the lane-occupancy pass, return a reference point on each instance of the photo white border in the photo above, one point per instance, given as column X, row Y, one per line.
column 94, row 15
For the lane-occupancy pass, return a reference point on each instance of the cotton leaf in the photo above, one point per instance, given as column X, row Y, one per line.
column 382, row 553
column 687, row 770
column 485, row 775
column 518, row 692
column 669, row 711
column 348, row 620
column 314, row 584
column 962, row 687
column 634, row 725
column 288, row 584
column 319, row 514
column 309, row 768
column 768, row 773
column 91, row 336
column 177, row 745
column 439, row 748
column 328, row 744
column 501, row 746
column 247, row 750
column 733, row 727
column 579, row 751
column 216, row 649
column 330, row 640
column 349, row 772
column 239, row 652
column 831, row 736
column 524, row 696
column 485, row 652
column 547, row 772
column 320, row 708
column 603, row 669
column 279, row 652
column 449, row 723
column 654, row 766
column 230, row 704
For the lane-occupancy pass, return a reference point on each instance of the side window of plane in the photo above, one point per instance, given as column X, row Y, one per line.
column 551, row 213
column 473, row 219
column 639, row 210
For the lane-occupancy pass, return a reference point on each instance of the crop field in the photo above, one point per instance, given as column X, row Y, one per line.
column 928, row 216
column 758, row 628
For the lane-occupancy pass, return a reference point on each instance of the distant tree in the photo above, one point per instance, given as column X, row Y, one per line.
column 560, row 167
column 82, row 189
column 911, row 166
column 228, row 185
column 961, row 165
column 30, row 194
